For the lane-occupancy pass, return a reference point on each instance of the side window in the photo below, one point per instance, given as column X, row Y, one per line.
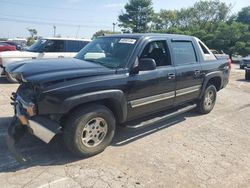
column 183, row 52
column 158, row 51
column 72, row 46
column 207, row 55
column 82, row 44
column 54, row 46
column 204, row 49
column 75, row 46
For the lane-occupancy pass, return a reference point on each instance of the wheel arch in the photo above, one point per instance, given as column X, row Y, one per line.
column 214, row 78
column 112, row 99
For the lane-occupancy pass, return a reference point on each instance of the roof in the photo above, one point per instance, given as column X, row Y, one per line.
column 142, row 35
column 61, row 38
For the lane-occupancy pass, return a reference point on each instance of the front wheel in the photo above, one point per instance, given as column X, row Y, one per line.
column 207, row 102
column 88, row 131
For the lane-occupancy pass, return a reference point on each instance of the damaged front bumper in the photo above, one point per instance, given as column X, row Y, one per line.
column 26, row 119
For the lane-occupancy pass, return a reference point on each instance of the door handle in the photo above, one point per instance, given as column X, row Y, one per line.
column 171, row 76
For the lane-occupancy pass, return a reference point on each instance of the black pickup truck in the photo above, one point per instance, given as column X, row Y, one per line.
column 113, row 80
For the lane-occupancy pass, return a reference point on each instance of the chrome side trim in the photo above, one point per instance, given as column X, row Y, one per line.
column 164, row 96
column 152, row 99
column 188, row 90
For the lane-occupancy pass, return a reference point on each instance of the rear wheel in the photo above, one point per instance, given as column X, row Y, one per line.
column 10, row 78
column 89, row 131
column 207, row 102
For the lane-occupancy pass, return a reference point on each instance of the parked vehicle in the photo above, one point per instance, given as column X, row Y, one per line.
column 19, row 41
column 6, row 47
column 247, row 71
column 113, row 80
column 18, row 46
column 43, row 49
column 244, row 62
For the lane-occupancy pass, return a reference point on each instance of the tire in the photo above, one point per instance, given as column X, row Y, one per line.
column 78, row 130
column 206, row 103
column 10, row 78
column 247, row 76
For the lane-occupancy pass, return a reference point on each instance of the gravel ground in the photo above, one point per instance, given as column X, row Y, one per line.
column 187, row 151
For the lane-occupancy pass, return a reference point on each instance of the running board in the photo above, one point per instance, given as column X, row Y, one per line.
column 162, row 118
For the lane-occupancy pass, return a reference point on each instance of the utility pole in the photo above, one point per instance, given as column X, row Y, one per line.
column 114, row 24
column 54, row 27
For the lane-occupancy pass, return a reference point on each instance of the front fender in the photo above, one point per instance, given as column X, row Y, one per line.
column 116, row 97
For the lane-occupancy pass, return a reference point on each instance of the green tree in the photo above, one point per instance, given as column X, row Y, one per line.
column 31, row 39
column 164, row 19
column 102, row 33
column 244, row 15
column 137, row 16
column 33, row 32
column 232, row 38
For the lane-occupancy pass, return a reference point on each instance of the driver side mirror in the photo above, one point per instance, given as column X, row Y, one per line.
column 146, row 64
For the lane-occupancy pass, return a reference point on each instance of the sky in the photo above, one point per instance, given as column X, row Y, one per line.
column 74, row 18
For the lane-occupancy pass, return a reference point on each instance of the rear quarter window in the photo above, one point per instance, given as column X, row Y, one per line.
column 183, row 52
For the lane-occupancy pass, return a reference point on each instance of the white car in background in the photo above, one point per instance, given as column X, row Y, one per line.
column 43, row 48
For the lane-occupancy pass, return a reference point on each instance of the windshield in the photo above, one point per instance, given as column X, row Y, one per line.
column 112, row 52
column 37, row 46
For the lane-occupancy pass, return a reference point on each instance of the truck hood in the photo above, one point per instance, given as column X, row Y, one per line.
column 50, row 70
column 19, row 54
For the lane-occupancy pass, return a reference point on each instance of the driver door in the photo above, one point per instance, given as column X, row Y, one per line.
column 154, row 90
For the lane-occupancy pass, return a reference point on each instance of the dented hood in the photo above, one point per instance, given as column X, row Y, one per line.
column 48, row 70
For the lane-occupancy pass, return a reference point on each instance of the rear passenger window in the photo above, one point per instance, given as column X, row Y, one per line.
column 183, row 52
column 75, row 46
column 82, row 44
column 72, row 46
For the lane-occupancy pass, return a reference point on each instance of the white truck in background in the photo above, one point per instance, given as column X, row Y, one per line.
column 44, row 48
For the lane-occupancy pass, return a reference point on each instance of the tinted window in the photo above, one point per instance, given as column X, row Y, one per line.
column 82, row 44
column 183, row 52
column 74, row 46
column 204, row 49
column 158, row 51
column 54, row 46
column 71, row 46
